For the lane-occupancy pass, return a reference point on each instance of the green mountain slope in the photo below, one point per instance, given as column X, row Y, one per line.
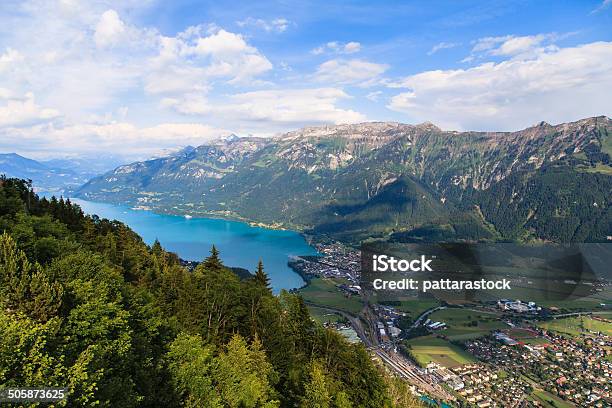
column 386, row 179
column 88, row 306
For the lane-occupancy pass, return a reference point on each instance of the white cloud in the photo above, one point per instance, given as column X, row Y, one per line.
column 355, row 71
column 604, row 5
column 442, row 46
column 318, row 51
column 280, row 109
column 93, row 65
column 555, row 85
column 518, row 45
column 220, row 44
column 23, row 111
column 230, row 56
column 9, row 59
column 278, row 25
column 352, row 47
column 186, row 64
column 260, row 112
column 512, row 46
column 109, row 29
column 296, row 106
column 81, row 57
column 337, row 47
column 374, row 96
column 76, row 57
column 130, row 141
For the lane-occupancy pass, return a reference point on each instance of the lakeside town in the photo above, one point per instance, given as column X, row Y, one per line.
column 497, row 353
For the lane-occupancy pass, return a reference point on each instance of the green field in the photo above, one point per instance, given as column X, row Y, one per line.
column 323, row 315
column 526, row 336
column 582, row 304
column 573, row 325
column 545, row 398
column 323, row 292
column 427, row 349
column 459, row 320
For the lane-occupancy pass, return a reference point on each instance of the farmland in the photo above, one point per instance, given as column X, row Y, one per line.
column 465, row 324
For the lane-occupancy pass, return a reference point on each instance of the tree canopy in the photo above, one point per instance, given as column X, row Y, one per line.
column 88, row 305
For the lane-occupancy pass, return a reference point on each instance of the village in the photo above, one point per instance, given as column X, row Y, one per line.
column 498, row 353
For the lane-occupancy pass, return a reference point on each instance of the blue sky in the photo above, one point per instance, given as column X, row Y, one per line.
column 137, row 77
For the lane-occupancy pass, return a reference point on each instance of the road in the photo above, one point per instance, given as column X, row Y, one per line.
column 424, row 315
column 571, row 314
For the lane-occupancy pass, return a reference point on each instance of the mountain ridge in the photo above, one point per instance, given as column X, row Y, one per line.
column 370, row 179
column 56, row 175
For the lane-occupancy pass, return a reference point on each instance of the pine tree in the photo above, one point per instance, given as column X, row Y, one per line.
column 261, row 277
column 213, row 262
column 317, row 389
column 156, row 249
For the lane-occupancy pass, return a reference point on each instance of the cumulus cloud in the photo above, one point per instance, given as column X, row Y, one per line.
column 442, row 46
column 554, row 85
column 355, row 71
column 276, row 108
column 296, row 106
column 23, row 111
column 336, row 47
column 352, row 47
column 508, row 45
column 278, row 25
column 259, row 112
column 230, row 56
column 109, row 29
column 131, row 141
column 515, row 46
column 9, row 59
column 187, row 63
column 82, row 58
column 89, row 65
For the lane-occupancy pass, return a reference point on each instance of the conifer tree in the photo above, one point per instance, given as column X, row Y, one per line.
column 156, row 249
column 213, row 262
column 317, row 389
column 261, row 277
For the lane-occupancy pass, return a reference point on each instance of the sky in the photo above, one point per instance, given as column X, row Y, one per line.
column 138, row 77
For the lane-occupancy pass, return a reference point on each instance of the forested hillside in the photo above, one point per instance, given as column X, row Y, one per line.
column 86, row 304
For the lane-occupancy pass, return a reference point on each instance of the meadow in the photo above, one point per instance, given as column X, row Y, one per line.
column 459, row 322
column 429, row 348
column 574, row 325
column 323, row 292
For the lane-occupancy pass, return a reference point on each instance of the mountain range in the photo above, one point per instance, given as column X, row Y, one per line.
column 55, row 175
column 392, row 181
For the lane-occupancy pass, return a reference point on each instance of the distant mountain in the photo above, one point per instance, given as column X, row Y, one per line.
column 391, row 181
column 44, row 176
column 54, row 175
column 86, row 166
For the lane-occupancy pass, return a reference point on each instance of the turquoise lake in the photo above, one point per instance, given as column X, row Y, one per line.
column 239, row 243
